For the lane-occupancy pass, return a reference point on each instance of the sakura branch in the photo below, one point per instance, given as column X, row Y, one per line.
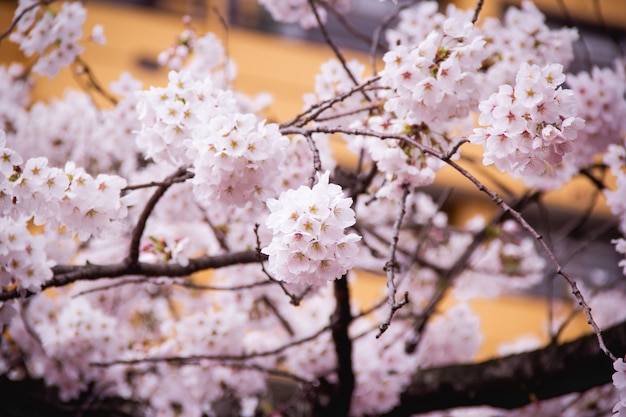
column 180, row 360
column 67, row 274
column 181, row 174
column 506, row 208
column 332, row 44
column 391, row 266
column 21, row 14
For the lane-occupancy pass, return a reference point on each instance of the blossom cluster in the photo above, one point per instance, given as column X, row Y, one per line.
column 521, row 36
column 400, row 163
column 300, row 11
column 437, row 80
column 204, row 55
column 619, row 380
column 530, row 126
column 101, row 140
column 601, row 102
column 235, row 156
column 52, row 35
column 615, row 158
column 23, row 258
column 309, row 243
column 54, row 197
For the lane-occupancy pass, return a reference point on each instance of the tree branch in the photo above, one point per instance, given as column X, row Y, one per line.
column 517, row 380
column 181, row 174
column 66, row 274
column 340, row 402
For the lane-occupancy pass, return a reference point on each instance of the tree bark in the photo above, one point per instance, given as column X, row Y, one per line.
column 517, row 380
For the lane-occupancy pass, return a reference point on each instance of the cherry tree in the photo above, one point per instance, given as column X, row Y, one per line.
column 174, row 253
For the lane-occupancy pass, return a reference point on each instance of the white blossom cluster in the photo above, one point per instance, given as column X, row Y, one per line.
column 235, row 157
column 100, row 140
column 521, row 36
column 23, row 258
column 619, row 381
column 54, row 197
column 15, row 89
column 400, row 164
column 436, row 81
column 529, row 127
column 615, row 158
column 417, row 22
column 51, row 35
column 205, row 55
column 601, row 102
column 299, row 11
column 309, row 243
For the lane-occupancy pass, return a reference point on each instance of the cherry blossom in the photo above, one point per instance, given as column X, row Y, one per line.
column 619, row 380
column 601, row 103
column 52, row 35
column 299, row 11
column 529, row 127
column 309, row 243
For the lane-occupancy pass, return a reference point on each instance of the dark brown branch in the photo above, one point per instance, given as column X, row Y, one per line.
column 133, row 250
column 194, row 359
column 91, row 81
column 340, row 402
column 517, row 380
column 391, row 266
column 333, row 46
column 479, row 7
column 66, row 274
column 21, row 15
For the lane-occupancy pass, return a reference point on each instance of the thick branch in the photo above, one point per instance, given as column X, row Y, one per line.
column 340, row 403
column 517, row 380
column 66, row 274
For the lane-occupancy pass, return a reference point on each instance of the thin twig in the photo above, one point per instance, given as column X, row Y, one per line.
column 571, row 21
column 199, row 358
column 479, row 7
column 317, row 162
column 92, row 81
column 353, row 30
column 17, row 19
column 391, row 266
column 316, row 109
column 278, row 315
column 334, row 47
column 184, row 284
column 133, row 250
column 387, row 21
column 295, row 299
